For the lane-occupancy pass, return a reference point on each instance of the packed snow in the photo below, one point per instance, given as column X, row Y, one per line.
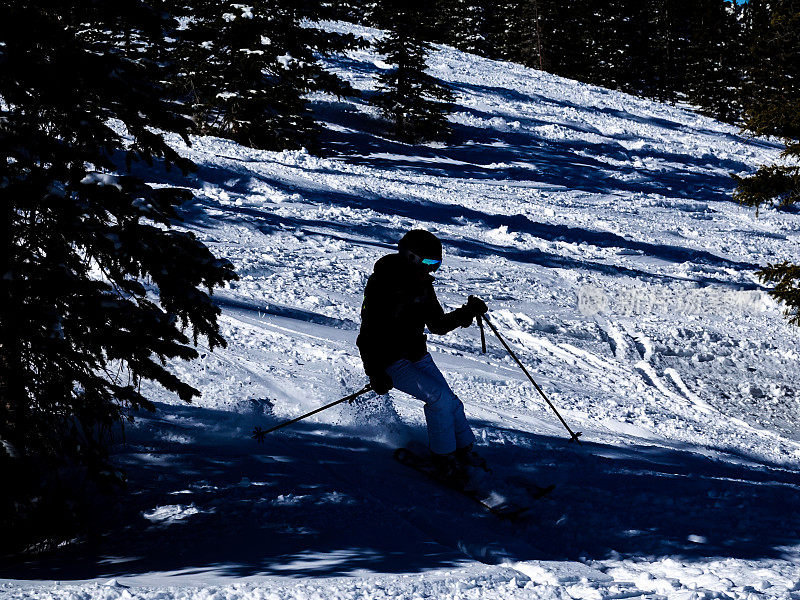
column 599, row 229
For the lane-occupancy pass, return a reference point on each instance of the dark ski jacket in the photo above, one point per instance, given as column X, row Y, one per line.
column 399, row 302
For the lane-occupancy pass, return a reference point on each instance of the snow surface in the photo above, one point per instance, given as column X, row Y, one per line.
column 599, row 229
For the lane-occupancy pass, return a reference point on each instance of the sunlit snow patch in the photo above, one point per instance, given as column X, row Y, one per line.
column 551, row 572
column 170, row 513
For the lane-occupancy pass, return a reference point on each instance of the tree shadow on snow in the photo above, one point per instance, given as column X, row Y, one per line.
column 323, row 500
column 509, row 147
column 236, row 306
column 650, row 501
column 568, row 168
column 381, row 234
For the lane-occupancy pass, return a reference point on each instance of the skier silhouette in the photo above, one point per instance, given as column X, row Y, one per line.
column 399, row 302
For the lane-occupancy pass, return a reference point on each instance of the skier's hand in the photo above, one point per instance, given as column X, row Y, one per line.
column 381, row 382
column 476, row 306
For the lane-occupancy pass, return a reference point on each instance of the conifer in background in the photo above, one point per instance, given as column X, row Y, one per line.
column 463, row 24
column 569, row 41
column 97, row 288
column 249, row 68
column 754, row 23
column 773, row 97
column 668, row 32
column 623, row 58
column 714, row 59
column 664, row 49
column 521, row 33
column 415, row 102
column 352, row 11
column 774, row 109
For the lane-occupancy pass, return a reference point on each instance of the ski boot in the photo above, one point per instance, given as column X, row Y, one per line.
column 470, row 459
column 475, row 467
column 450, row 470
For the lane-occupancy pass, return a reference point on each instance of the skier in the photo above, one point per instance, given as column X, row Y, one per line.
column 399, row 301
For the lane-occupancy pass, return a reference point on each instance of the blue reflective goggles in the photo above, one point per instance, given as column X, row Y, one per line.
column 431, row 263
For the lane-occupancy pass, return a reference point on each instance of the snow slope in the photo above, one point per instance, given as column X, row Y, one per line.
column 599, row 229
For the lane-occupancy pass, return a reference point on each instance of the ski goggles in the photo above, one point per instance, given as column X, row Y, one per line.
column 431, row 264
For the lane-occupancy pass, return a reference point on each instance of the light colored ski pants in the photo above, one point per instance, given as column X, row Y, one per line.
column 444, row 413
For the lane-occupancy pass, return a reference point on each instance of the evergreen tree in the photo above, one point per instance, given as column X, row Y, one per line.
column 462, row 24
column 715, row 59
column 568, row 38
column 497, row 30
column 623, row 58
column 353, row 11
column 415, row 102
column 754, row 24
column 250, row 66
column 522, row 35
column 97, row 289
column 669, row 32
column 774, row 109
column 773, row 96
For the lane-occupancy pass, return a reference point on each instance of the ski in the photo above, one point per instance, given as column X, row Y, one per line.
column 491, row 500
column 536, row 491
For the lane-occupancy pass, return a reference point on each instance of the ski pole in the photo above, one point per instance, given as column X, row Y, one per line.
column 574, row 436
column 258, row 433
column 479, row 318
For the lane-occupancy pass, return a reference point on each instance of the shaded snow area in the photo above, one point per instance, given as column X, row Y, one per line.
column 598, row 227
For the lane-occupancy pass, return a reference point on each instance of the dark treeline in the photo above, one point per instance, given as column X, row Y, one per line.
column 696, row 51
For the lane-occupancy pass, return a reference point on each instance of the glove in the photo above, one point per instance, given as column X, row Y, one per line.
column 476, row 306
column 381, row 382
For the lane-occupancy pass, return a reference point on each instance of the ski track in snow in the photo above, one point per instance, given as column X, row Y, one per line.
column 598, row 227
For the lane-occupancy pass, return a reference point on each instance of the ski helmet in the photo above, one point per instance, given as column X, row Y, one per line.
column 421, row 247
